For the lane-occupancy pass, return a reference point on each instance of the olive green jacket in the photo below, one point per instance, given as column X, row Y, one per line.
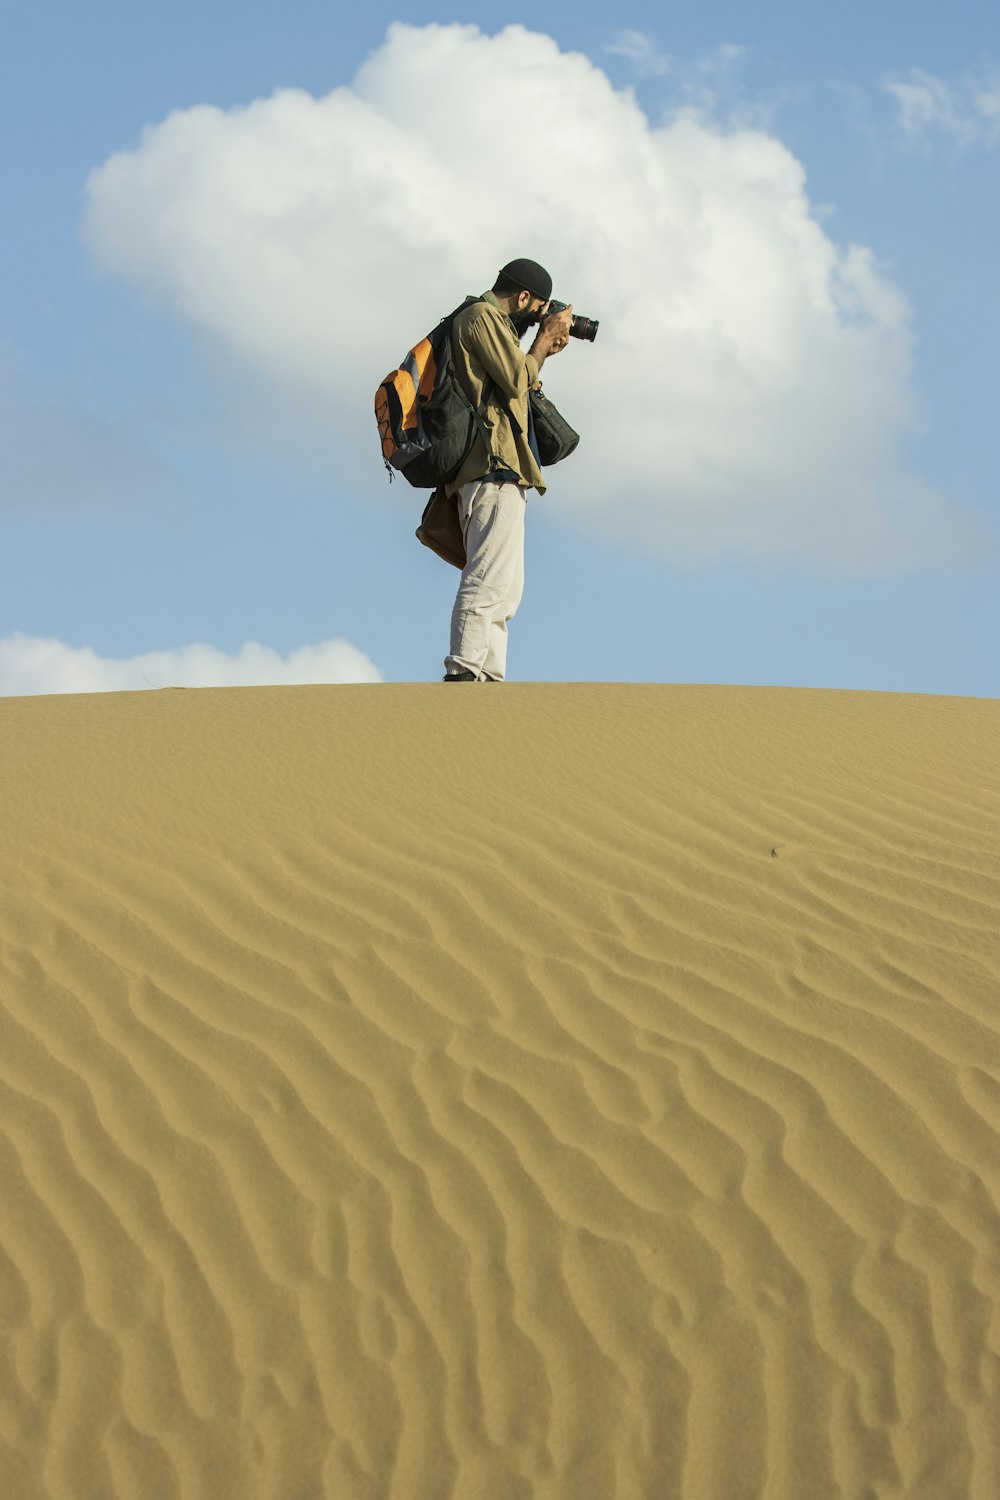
column 487, row 353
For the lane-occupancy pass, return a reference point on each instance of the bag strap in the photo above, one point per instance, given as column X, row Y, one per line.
column 478, row 412
column 504, row 405
column 498, row 396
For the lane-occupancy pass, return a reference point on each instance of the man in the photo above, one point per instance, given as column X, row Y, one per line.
column 492, row 485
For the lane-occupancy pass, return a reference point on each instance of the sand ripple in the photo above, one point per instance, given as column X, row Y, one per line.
column 552, row 1092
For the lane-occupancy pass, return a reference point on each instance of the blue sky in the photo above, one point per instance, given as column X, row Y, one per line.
column 185, row 458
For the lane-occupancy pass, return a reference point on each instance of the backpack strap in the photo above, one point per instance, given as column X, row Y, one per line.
column 505, row 407
column 478, row 411
column 492, row 390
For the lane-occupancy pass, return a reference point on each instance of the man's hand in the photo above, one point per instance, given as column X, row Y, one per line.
column 553, row 336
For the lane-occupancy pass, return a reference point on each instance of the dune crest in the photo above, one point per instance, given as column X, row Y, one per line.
column 534, row 1093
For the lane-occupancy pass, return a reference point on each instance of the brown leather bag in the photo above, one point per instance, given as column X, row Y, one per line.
column 440, row 528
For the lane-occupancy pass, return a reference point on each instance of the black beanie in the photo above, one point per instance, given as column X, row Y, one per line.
column 529, row 275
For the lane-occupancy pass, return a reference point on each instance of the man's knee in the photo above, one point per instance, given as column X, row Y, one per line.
column 489, row 602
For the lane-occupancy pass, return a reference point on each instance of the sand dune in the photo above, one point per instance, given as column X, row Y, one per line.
column 566, row 1092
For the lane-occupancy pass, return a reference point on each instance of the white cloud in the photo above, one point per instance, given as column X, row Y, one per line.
column 748, row 392
column 966, row 109
column 641, row 51
column 31, row 665
column 704, row 85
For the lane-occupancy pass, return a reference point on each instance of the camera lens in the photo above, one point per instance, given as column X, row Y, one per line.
column 579, row 328
column 584, row 328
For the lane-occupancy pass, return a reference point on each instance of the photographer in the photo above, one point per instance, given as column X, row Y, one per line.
column 491, row 487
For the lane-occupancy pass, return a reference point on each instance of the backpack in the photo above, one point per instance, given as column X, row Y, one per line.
column 426, row 422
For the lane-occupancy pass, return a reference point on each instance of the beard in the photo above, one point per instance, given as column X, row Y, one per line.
column 524, row 320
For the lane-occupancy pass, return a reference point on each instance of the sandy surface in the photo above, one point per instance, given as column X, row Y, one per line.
column 572, row 1092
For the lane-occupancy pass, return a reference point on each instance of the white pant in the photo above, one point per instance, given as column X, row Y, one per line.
column 492, row 517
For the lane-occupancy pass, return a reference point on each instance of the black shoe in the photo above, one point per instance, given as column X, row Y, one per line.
column 460, row 677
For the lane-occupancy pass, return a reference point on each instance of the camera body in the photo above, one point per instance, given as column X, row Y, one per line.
column 579, row 328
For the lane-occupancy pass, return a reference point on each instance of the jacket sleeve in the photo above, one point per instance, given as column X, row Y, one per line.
column 501, row 357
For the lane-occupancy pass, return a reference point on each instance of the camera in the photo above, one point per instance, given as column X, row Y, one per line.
column 579, row 328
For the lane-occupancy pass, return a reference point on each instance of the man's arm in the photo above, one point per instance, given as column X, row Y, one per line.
column 512, row 371
column 503, row 359
column 552, row 337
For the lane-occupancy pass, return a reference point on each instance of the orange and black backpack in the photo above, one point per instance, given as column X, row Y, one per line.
column 426, row 422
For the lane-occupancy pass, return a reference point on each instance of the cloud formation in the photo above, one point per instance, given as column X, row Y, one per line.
column 31, row 665
column 966, row 110
column 749, row 391
column 700, row 87
column 638, row 48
